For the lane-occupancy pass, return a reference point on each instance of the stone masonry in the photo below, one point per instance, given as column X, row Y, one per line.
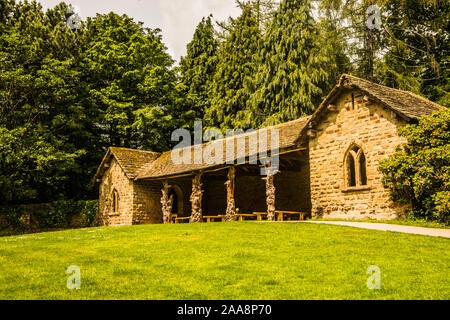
column 374, row 129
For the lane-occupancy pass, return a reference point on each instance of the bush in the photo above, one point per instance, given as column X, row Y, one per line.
column 89, row 210
column 14, row 218
column 419, row 171
column 56, row 215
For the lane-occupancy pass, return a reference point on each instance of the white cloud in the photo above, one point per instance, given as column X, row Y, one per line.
column 176, row 18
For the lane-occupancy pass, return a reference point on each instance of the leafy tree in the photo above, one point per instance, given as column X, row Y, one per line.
column 41, row 118
column 417, row 52
column 293, row 63
column 234, row 70
column 199, row 65
column 128, row 71
column 66, row 95
column 419, row 173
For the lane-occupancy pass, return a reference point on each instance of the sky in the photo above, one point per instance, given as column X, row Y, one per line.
column 176, row 18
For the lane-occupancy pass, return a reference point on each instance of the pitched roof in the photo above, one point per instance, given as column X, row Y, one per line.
column 164, row 166
column 405, row 103
column 130, row 160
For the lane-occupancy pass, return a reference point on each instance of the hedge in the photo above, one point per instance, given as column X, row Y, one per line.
column 61, row 214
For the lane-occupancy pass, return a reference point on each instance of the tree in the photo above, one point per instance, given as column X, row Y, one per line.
column 293, row 63
column 128, row 71
column 199, row 65
column 41, row 119
column 419, row 172
column 236, row 66
column 417, row 51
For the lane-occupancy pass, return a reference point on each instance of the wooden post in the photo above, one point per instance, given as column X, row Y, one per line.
column 166, row 202
column 270, row 196
column 196, row 199
column 231, row 205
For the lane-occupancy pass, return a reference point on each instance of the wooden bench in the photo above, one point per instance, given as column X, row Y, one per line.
column 213, row 218
column 242, row 216
column 281, row 213
column 183, row 219
column 259, row 215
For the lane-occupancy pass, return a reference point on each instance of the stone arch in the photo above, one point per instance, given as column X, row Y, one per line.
column 178, row 204
column 355, row 166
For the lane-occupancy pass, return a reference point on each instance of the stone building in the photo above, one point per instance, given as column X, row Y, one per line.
column 328, row 165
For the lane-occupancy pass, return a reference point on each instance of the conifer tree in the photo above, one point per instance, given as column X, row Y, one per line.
column 235, row 68
column 416, row 42
column 199, row 65
column 293, row 66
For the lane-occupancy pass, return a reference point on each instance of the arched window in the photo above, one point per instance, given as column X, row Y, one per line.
column 355, row 164
column 115, row 201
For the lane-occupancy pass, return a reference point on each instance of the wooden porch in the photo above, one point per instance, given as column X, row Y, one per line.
column 241, row 193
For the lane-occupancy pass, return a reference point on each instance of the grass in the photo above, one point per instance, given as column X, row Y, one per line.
column 407, row 222
column 242, row 260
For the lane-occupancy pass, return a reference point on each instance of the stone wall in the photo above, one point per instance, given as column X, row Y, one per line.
column 115, row 179
column 374, row 129
column 147, row 202
column 139, row 201
column 292, row 190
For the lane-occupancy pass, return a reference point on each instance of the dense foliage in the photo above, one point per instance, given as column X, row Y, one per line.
column 294, row 66
column 419, row 172
column 67, row 94
column 418, row 52
column 56, row 215
column 199, row 65
column 235, row 68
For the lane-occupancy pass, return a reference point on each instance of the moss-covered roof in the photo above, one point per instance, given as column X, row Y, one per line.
column 405, row 103
column 164, row 166
column 130, row 160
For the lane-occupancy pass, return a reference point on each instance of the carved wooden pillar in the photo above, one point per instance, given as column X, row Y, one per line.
column 196, row 199
column 270, row 196
column 231, row 206
column 166, row 202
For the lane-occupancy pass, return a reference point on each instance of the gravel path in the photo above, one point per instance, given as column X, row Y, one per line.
column 391, row 227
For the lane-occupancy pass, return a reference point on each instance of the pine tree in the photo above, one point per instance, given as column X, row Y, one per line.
column 235, row 68
column 199, row 65
column 293, row 66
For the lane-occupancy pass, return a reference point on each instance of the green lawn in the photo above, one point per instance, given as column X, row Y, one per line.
column 242, row 260
column 407, row 222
